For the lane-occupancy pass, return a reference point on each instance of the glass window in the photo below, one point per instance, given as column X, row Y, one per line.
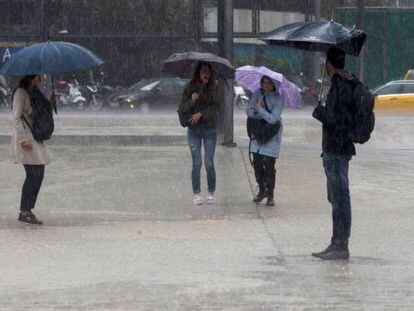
column 179, row 86
column 167, row 86
column 408, row 88
column 150, row 86
column 390, row 89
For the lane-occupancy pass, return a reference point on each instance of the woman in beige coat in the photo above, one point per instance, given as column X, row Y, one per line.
column 25, row 149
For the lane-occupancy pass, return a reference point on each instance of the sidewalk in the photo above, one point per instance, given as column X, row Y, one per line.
column 121, row 231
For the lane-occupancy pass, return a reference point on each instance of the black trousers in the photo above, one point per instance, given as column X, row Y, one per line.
column 31, row 186
column 265, row 172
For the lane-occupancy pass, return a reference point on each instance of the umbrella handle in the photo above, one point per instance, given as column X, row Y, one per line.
column 53, row 86
column 323, row 79
column 53, row 93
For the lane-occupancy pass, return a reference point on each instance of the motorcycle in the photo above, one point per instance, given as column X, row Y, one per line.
column 240, row 98
column 71, row 95
column 101, row 93
column 94, row 99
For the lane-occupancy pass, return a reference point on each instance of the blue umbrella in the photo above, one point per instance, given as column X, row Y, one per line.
column 50, row 58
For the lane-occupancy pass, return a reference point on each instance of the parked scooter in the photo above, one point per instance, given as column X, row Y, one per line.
column 94, row 99
column 71, row 96
column 5, row 94
column 98, row 94
column 240, row 98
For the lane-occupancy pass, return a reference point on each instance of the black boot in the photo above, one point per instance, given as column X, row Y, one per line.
column 333, row 252
column 260, row 196
column 270, row 198
column 29, row 218
column 270, row 201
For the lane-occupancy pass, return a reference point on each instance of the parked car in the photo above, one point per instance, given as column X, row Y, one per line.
column 395, row 96
column 150, row 94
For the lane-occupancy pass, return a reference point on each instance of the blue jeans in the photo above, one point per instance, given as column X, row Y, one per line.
column 195, row 139
column 336, row 170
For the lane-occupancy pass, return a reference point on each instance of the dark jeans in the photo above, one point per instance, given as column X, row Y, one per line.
column 31, row 186
column 195, row 140
column 336, row 170
column 265, row 172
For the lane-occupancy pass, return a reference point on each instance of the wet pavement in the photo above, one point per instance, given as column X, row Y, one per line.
column 121, row 231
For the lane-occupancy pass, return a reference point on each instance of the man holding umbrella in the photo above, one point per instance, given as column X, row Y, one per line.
column 336, row 116
column 338, row 148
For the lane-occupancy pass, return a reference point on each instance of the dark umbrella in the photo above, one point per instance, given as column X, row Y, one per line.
column 183, row 64
column 318, row 36
column 50, row 58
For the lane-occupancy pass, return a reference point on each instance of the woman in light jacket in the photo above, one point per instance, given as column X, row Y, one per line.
column 265, row 155
column 25, row 149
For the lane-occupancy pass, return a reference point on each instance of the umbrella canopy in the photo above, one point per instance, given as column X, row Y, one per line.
column 183, row 64
column 50, row 58
column 317, row 36
column 249, row 77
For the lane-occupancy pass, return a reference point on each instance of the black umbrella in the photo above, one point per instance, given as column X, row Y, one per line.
column 183, row 64
column 317, row 36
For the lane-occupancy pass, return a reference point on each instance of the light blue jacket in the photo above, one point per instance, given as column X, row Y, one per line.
column 275, row 106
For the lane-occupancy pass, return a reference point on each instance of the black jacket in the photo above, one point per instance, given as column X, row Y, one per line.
column 336, row 116
column 207, row 104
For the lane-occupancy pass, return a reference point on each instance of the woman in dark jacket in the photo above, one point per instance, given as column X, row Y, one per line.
column 200, row 101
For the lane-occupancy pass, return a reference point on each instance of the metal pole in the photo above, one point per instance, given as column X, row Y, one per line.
column 384, row 48
column 360, row 25
column 316, row 56
column 323, row 79
column 198, row 24
column 334, row 6
column 317, row 6
column 42, row 26
column 225, row 49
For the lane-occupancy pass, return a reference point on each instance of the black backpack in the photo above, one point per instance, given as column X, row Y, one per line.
column 260, row 130
column 363, row 117
column 43, row 123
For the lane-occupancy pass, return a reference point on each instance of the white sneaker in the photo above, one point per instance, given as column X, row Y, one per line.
column 211, row 199
column 198, row 200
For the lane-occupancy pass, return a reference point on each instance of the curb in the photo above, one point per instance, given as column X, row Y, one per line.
column 119, row 140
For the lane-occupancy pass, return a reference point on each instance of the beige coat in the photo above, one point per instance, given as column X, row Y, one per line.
column 21, row 132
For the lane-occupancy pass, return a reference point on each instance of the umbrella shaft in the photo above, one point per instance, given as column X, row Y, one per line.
column 323, row 80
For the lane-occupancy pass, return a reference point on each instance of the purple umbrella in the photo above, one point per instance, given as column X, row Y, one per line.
column 249, row 77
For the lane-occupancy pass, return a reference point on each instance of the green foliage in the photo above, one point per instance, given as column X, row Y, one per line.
column 279, row 64
column 144, row 17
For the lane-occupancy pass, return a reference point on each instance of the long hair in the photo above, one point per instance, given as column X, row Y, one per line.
column 196, row 76
column 274, row 89
column 25, row 83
